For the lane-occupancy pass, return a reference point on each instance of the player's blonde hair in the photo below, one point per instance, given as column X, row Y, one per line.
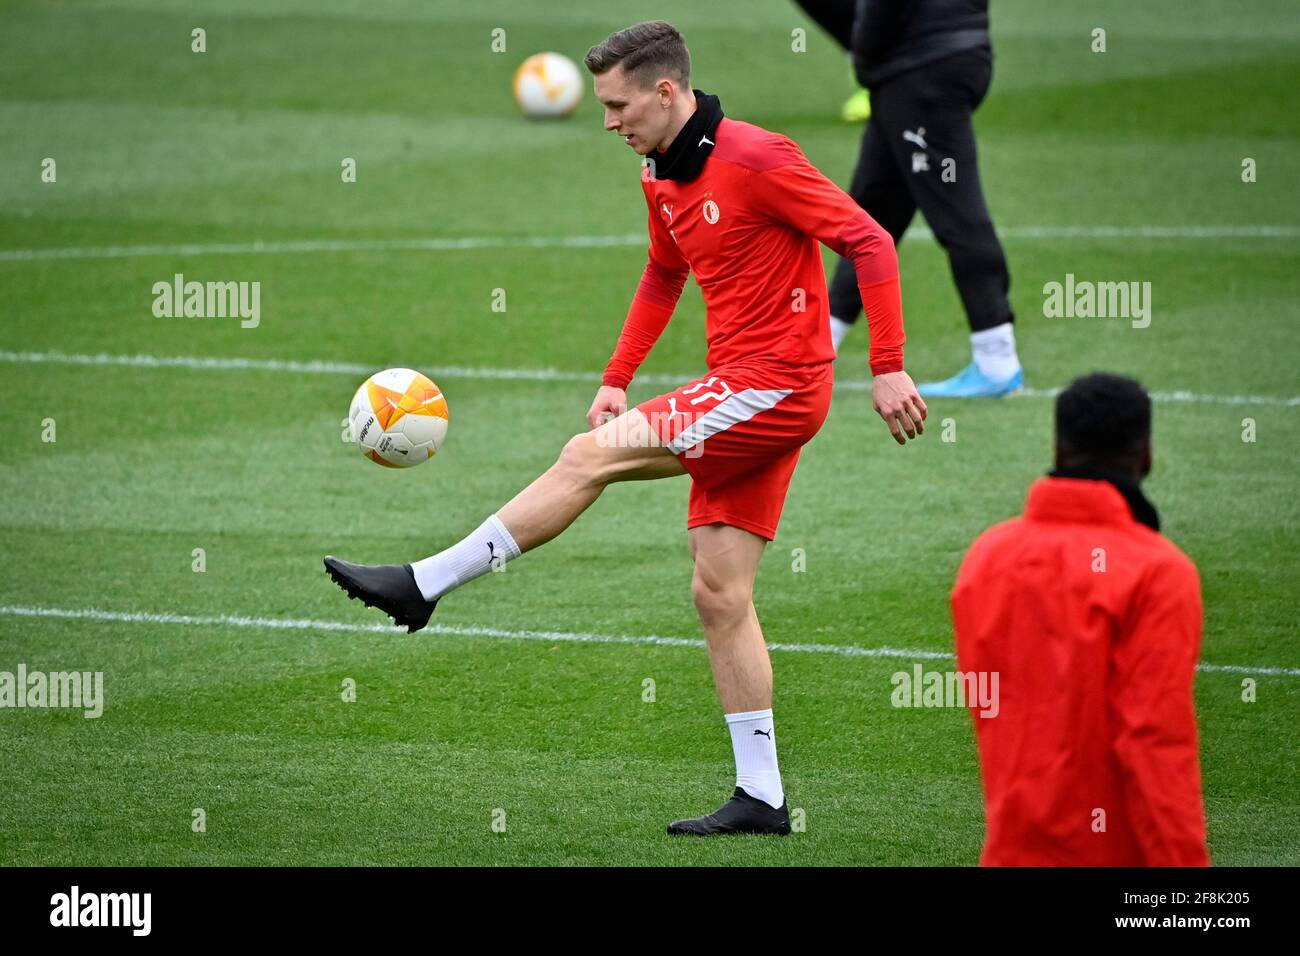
column 648, row 51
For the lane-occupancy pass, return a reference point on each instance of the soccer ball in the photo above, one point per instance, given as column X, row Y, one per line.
column 547, row 85
column 398, row 418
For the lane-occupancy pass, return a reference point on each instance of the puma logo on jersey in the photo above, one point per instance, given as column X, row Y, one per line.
column 673, row 409
column 668, row 211
column 918, row 137
column 705, row 139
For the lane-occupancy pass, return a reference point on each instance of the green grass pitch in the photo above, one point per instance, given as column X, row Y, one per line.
column 158, row 146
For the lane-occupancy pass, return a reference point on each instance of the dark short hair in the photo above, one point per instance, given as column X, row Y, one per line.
column 647, row 51
column 1103, row 416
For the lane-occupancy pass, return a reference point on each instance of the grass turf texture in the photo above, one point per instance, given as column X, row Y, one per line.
column 156, row 144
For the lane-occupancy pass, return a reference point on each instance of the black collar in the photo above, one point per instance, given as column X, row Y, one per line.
column 1144, row 512
column 685, row 155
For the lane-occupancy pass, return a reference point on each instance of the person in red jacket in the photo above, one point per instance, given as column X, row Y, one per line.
column 744, row 210
column 1092, row 620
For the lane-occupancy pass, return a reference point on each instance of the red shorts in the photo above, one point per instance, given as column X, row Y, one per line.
column 738, row 431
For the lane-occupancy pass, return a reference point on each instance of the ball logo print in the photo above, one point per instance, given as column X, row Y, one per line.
column 398, row 418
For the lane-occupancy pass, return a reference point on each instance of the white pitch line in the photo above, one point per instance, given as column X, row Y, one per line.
column 301, row 624
column 292, row 624
column 258, row 247
column 1140, row 232
column 469, row 243
column 201, row 363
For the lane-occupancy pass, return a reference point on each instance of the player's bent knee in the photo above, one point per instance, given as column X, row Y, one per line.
column 579, row 460
column 719, row 602
column 620, row 449
column 586, row 459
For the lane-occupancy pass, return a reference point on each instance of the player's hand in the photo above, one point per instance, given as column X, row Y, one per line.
column 610, row 402
column 896, row 401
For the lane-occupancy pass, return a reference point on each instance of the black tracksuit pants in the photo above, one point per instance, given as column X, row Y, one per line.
column 920, row 119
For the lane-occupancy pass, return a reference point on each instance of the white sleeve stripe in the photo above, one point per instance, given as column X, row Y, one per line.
column 740, row 407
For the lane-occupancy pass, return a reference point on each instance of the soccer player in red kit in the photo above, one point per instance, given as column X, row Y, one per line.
column 744, row 210
column 1092, row 620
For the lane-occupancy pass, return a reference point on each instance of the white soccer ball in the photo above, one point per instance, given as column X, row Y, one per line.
column 548, row 85
column 398, row 418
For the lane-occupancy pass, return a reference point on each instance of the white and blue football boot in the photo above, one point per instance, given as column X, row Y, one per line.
column 970, row 382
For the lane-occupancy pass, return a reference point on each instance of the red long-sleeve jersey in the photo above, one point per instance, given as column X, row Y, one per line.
column 748, row 227
column 1093, row 623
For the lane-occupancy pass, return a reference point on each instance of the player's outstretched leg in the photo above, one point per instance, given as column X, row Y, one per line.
column 625, row 449
column 726, row 560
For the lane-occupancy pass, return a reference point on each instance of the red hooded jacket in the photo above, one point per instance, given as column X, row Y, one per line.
column 1093, row 622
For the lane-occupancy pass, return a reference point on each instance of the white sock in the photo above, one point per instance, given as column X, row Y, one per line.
column 994, row 352
column 483, row 550
column 839, row 329
column 753, row 740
